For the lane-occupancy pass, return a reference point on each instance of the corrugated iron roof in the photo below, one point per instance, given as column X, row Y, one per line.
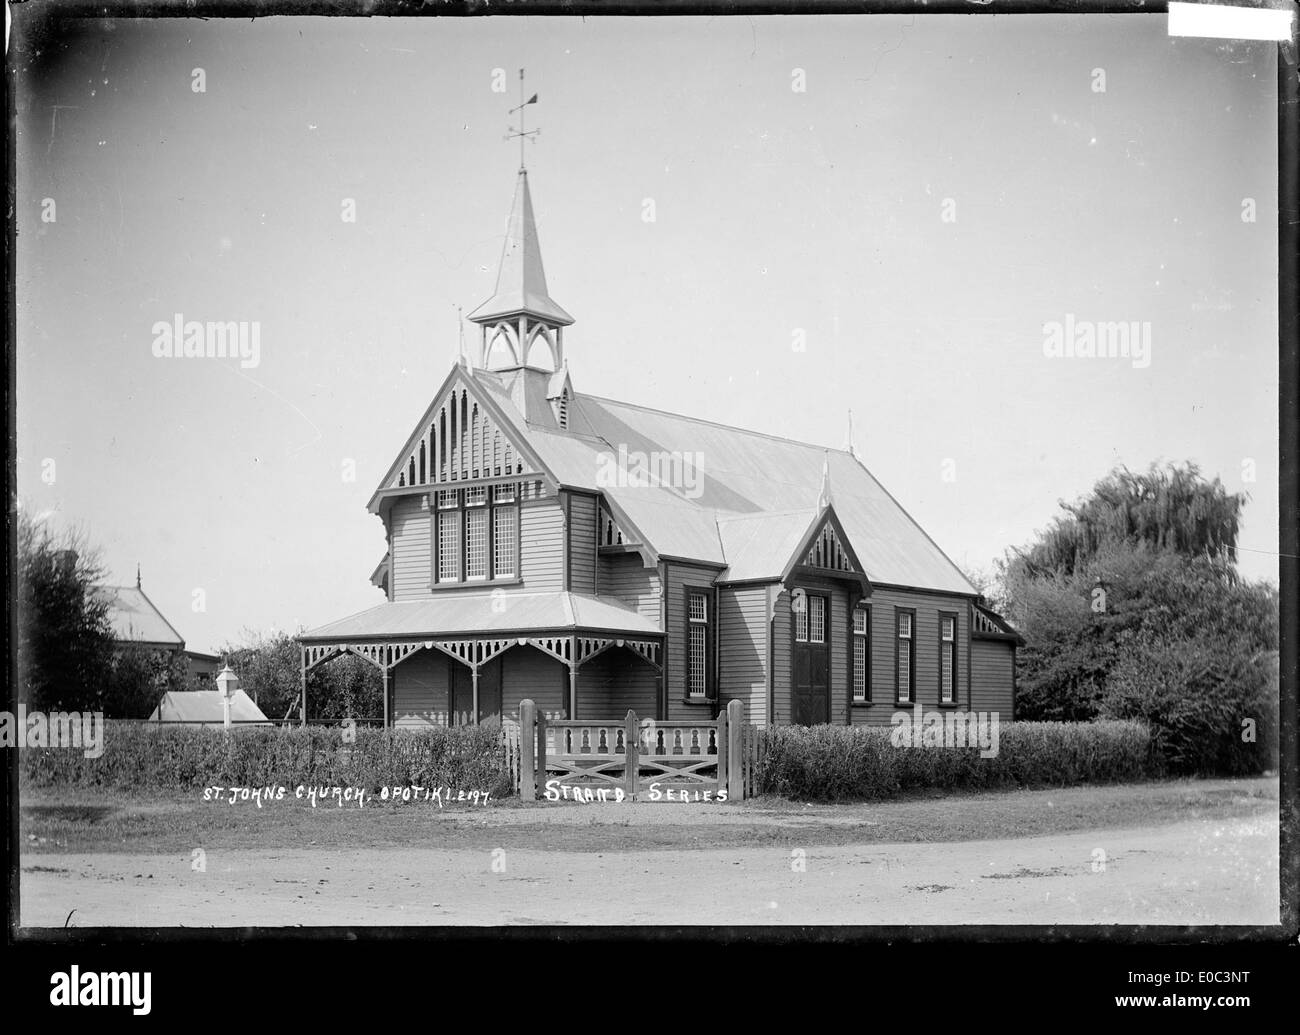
column 732, row 475
column 464, row 613
column 135, row 619
column 205, row 706
column 754, row 543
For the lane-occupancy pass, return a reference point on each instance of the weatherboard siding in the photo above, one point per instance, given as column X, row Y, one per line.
column 624, row 577
column 582, row 543
column 541, row 545
column 992, row 677
column 615, row 682
column 529, row 674
column 925, row 654
column 410, row 562
column 742, row 649
column 420, row 687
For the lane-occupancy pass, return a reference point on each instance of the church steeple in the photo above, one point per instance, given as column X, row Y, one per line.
column 521, row 319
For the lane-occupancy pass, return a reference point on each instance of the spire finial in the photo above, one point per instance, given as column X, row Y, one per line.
column 522, row 133
column 824, row 500
column 460, row 327
column 852, row 452
column 137, row 575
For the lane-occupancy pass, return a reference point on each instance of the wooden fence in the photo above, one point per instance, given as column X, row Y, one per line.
column 633, row 758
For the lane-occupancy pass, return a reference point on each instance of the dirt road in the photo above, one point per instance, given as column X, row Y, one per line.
column 1208, row 871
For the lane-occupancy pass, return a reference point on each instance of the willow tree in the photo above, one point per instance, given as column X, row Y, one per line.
column 1131, row 606
column 1166, row 508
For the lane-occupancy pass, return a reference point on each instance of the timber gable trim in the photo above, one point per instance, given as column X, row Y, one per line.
column 514, row 444
column 826, row 552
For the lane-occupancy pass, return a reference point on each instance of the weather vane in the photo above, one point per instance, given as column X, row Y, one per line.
column 521, row 133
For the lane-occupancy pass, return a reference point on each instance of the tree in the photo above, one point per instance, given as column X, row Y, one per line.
column 65, row 640
column 137, row 679
column 269, row 671
column 1167, row 508
column 1132, row 607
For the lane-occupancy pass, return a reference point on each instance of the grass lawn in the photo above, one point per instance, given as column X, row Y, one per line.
column 53, row 822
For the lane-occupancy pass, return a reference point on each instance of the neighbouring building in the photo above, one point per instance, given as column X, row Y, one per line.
column 599, row 556
column 137, row 623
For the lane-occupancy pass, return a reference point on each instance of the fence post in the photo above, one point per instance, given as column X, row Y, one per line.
column 724, row 755
column 527, row 788
column 735, row 734
column 541, row 753
column 632, row 761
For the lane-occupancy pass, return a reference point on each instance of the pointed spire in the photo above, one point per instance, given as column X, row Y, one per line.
column 521, row 280
column 849, row 445
column 137, row 575
column 824, row 499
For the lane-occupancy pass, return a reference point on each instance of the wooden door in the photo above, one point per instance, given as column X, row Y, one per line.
column 811, row 702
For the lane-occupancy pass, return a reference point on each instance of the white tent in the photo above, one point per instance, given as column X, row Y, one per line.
column 203, row 708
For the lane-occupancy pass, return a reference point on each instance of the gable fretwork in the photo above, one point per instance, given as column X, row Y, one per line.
column 828, row 553
column 460, row 442
column 609, row 532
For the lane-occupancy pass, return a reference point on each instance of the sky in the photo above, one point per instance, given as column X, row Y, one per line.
column 880, row 214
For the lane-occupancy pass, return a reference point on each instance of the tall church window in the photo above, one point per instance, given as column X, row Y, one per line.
column 477, row 534
column 697, row 664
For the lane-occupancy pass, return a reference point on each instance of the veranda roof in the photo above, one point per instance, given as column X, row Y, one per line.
column 470, row 613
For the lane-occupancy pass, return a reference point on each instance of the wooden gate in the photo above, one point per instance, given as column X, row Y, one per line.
column 635, row 759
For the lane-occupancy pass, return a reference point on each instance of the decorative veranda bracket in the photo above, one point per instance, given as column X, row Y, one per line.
column 572, row 651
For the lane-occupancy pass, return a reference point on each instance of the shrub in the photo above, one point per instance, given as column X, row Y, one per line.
column 166, row 758
column 1195, row 696
column 836, row 763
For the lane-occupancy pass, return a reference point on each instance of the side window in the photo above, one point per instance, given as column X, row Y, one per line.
column 862, row 654
column 903, row 648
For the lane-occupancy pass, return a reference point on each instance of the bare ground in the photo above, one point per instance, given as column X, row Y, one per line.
column 1213, row 861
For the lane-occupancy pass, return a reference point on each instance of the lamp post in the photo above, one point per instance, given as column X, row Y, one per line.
column 227, row 683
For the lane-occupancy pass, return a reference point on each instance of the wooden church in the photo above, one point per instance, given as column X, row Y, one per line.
column 598, row 556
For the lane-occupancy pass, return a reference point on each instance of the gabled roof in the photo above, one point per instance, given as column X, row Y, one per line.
column 736, row 499
column 464, row 613
column 521, row 280
column 136, row 620
column 743, row 496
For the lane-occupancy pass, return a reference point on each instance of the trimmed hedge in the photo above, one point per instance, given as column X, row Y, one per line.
column 158, row 757
column 837, row 763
